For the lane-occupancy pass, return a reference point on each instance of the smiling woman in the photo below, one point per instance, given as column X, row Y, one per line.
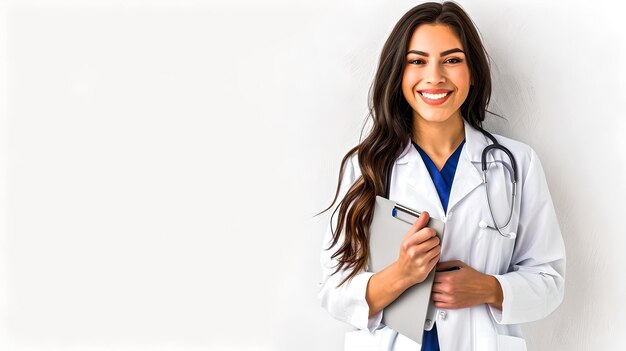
column 436, row 85
column 426, row 150
column 435, row 78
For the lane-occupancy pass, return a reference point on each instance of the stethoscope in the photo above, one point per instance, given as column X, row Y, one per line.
column 511, row 168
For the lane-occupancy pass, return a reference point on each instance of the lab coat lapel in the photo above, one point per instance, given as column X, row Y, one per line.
column 467, row 176
column 418, row 183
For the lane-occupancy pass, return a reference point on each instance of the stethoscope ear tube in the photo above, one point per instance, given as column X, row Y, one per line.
column 483, row 158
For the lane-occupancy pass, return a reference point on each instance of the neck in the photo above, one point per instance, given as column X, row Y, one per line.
column 438, row 139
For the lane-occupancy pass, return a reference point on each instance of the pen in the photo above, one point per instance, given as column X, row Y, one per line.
column 453, row 268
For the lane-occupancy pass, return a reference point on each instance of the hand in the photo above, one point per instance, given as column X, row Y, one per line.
column 464, row 287
column 419, row 252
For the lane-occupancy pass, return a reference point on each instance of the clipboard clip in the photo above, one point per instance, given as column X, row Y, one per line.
column 399, row 208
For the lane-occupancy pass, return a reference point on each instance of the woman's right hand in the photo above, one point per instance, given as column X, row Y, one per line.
column 419, row 252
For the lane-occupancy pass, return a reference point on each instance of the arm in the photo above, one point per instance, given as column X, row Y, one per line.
column 463, row 286
column 347, row 302
column 360, row 301
column 419, row 252
column 534, row 286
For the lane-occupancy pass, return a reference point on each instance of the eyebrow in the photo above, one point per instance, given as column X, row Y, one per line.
column 443, row 53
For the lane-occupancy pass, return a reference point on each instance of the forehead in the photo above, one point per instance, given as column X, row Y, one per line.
column 434, row 38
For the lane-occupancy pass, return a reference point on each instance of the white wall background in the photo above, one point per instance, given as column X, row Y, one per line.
column 161, row 163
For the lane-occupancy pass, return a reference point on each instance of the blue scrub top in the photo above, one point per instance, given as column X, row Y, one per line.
column 443, row 183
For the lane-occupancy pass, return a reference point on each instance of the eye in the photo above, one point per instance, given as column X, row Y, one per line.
column 417, row 62
column 453, row 60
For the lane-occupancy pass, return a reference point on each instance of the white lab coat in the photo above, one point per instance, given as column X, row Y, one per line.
column 530, row 268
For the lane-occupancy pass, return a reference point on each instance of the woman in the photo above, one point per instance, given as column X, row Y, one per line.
column 501, row 262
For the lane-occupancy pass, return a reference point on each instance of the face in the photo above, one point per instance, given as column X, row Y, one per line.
column 436, row 79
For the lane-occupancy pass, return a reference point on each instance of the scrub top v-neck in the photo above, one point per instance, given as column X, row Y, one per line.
column 442, row 179
column 443, row 183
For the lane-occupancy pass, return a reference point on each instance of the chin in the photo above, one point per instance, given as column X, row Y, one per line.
column 435, row 118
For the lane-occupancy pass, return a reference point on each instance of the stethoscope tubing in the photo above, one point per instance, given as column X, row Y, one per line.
column 483, row 159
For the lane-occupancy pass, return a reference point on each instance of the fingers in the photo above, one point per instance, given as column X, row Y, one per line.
column 424, row 246
column 442, row 293
column 420, row 249
column 428, row 258
column 418, row 231
column 439, row 297
column 423, row 236
column 423, row 252
column 419, row 223
column 441, row 285
column 448, row 305
column 425, row 264
column 431, row 256
column 448, row 302
column 434, row 257
column 419, row 238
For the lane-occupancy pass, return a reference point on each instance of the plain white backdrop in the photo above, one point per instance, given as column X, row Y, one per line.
column 161, row 163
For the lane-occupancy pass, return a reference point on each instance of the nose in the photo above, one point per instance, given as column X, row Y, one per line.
column 434, row 74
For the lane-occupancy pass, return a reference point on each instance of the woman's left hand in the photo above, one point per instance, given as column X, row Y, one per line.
column 464, row 287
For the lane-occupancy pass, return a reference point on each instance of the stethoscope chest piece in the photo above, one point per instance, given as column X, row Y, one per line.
column 483, row 225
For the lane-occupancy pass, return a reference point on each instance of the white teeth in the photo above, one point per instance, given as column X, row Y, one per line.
column 434, row 96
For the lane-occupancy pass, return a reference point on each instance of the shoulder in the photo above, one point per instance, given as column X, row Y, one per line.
column 522, row 152
column 526, row 158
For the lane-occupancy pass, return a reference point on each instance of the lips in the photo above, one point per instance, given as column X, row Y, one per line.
column 434, row 96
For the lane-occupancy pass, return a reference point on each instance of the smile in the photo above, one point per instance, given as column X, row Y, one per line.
column 435, row 97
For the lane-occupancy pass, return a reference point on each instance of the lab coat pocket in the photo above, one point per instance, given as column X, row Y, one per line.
column 511, row 343
column 492, row 252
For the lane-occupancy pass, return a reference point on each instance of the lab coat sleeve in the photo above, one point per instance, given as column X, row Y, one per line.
column 534, row 286
column 345, row 303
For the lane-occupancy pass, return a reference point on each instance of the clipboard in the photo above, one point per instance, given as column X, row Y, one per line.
column 413, row 311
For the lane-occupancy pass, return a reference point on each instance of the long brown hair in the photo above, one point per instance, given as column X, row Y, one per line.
column 393, row 125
